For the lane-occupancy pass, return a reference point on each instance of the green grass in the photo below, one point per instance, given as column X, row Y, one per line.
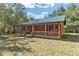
column 11, row 45
column 73, row 37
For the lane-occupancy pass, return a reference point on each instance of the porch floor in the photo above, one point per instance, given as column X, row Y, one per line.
column 42, row 36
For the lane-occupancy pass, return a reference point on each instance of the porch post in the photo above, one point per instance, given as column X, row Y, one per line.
column 32, row 29
column 26, row 29
column 58, row 29
column 45, row 29
column 23, row 29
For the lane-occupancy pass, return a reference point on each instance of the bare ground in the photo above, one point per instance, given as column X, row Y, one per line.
column 12, row 45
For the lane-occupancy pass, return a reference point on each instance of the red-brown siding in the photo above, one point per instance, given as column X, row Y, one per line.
column 39, row 33
column 40, row 30
column 52, row 33
column 39, row 27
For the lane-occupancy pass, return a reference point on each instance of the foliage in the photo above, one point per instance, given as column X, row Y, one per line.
column 59, row 11
column 72, row 17
column 11, row 14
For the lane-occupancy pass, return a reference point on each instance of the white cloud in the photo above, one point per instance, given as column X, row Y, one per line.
column 29, row 13
column 43, row 6
column 27, row 2
column 39, row 1
column 31, row 3
column 28, row 5
column 39, row 16
column 44, row 13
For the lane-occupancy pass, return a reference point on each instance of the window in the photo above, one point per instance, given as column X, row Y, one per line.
column 53, row 28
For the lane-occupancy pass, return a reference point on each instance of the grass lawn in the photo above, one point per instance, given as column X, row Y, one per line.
column 11, row 45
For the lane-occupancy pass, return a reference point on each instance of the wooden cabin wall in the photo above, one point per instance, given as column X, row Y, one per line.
column 39, row 27
column 40, row 30
column 62, row 28
column 38, row 33
column 52, row 33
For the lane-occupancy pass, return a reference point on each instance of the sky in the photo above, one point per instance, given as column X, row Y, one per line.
column 39, row 10
column 40, row 1
column 43, row 8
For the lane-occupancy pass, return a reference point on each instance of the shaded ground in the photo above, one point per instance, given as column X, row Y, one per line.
column 11, row 45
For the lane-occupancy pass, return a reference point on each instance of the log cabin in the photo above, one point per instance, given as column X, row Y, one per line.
column 51, row 27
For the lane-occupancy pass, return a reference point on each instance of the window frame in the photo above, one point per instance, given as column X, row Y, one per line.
column 52, row 27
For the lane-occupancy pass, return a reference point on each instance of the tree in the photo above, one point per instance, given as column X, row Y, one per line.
column 72, row 16
column 11, row 14
column 59, row 11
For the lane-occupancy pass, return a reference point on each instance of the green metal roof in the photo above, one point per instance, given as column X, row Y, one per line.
column 46, row 20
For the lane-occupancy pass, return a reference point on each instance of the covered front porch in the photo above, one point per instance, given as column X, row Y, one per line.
column 50, row 30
